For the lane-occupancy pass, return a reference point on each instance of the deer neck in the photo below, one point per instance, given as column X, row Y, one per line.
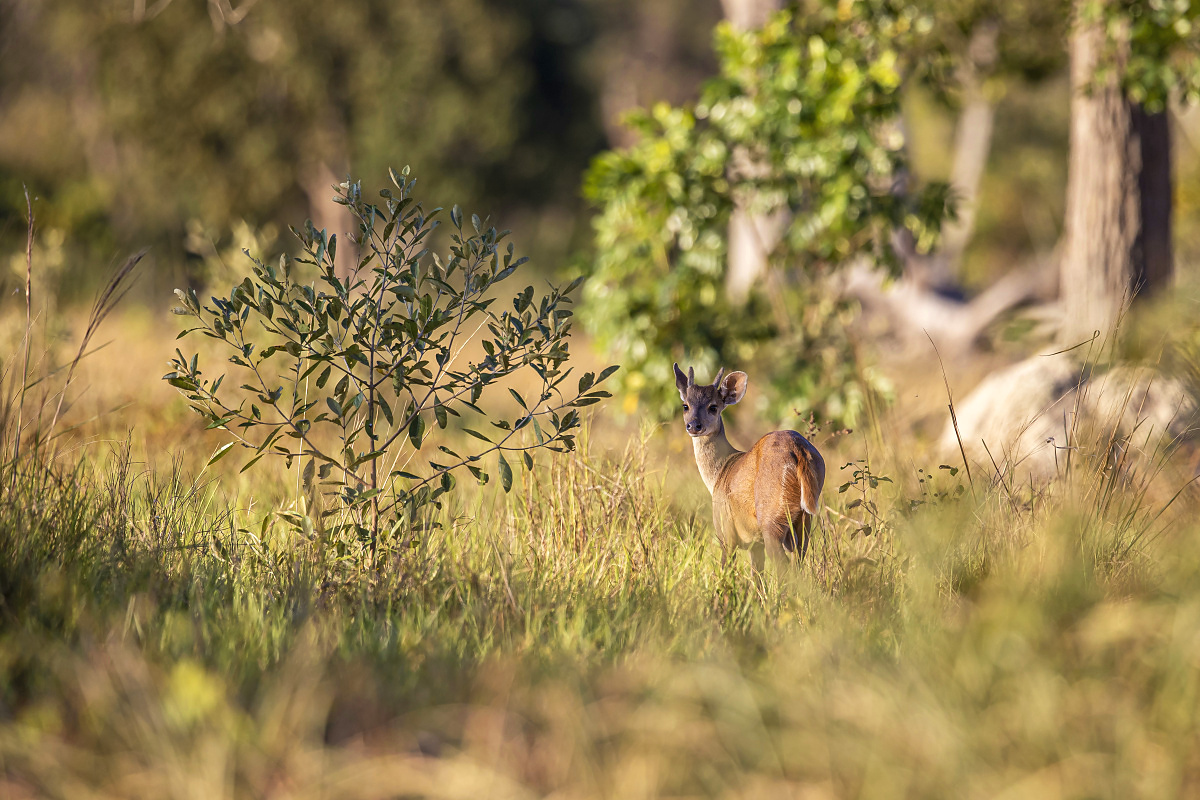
column 712, row 454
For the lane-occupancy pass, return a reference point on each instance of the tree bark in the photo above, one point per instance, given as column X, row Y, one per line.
column 319, row 182
column 1118, row 220
column 320, row 187
column 972, row 142
column 752, row 236
column 746, row 14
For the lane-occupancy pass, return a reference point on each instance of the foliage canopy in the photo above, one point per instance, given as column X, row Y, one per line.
column 803, row 119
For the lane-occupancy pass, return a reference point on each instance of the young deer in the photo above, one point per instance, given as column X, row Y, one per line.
column 768, row 494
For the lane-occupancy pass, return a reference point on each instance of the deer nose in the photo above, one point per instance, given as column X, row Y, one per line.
column 693, row 427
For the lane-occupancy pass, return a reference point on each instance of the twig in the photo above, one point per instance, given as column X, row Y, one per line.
column 953, row 416
column 857, row 522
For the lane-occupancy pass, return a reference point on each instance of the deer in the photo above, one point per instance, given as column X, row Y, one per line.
column 764, row 496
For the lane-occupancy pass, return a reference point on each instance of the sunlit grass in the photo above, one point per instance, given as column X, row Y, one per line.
column 165, row 633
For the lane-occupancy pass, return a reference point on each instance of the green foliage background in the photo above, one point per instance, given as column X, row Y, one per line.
column 804, row 117
column 129, row 120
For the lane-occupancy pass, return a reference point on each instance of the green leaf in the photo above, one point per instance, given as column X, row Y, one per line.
column 477, row 435
column 309, row 472
column 219, row 453
column 416, row 430
column 506, row 476
column 251, row 463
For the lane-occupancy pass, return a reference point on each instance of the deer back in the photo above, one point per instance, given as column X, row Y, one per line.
column 774, row 487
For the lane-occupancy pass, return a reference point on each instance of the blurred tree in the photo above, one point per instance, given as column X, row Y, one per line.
column 752, row 236
column 648, row 52
column 975, row 51
column 971, row 55
column 141, row 115
column 811, row 101
column 243, row 109
column 1128, row 59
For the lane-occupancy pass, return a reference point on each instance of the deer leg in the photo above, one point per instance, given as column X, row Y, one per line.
column 798, row 534
column 774, row 548
column 756, row 557
column 726, row 534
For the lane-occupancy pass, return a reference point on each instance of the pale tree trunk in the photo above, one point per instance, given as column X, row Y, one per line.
column 747, row 14
column 972, row 141
column 752, row 236
column 319, row 184
column 1117, row 238
column 319, row 181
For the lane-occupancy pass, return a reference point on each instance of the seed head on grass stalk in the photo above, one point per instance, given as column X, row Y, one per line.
column 384, row 344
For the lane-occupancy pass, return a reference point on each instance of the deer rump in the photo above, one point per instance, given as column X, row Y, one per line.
column 770, row 492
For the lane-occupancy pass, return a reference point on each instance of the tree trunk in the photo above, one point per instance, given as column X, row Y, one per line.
column 319, row 184
column 1118, row 220
column 752, row 236
column 326, row 146
column 747, row 14
column 972, row 142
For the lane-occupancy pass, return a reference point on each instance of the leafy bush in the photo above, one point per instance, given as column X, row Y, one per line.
column 352, row 372
column 803, row 119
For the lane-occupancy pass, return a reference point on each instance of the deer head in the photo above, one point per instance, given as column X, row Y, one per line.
column 703, row 404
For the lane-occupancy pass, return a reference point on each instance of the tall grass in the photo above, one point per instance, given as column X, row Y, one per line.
column 580, row 637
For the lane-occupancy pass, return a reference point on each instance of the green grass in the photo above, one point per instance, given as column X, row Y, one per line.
column 580, row 637
column 163, row 636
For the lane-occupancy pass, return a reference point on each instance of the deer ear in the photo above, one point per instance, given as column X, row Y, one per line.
column 681, row 381
column 733, row 388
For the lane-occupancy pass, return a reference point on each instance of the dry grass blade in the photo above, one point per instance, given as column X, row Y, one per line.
column 953, row 416
column 28, row 329
column 109, row 297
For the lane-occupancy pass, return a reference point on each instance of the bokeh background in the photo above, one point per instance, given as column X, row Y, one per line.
column 183, row 125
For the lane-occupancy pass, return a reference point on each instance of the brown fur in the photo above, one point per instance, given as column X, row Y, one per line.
column 767, row 494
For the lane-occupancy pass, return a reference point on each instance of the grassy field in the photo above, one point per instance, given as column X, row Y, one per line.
column 164, row 634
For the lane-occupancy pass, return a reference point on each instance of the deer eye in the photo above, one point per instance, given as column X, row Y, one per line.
column 685, row 406
column 712, row 409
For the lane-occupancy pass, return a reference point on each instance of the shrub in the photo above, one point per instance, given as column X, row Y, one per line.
column 802, row 121
column 351, row 373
